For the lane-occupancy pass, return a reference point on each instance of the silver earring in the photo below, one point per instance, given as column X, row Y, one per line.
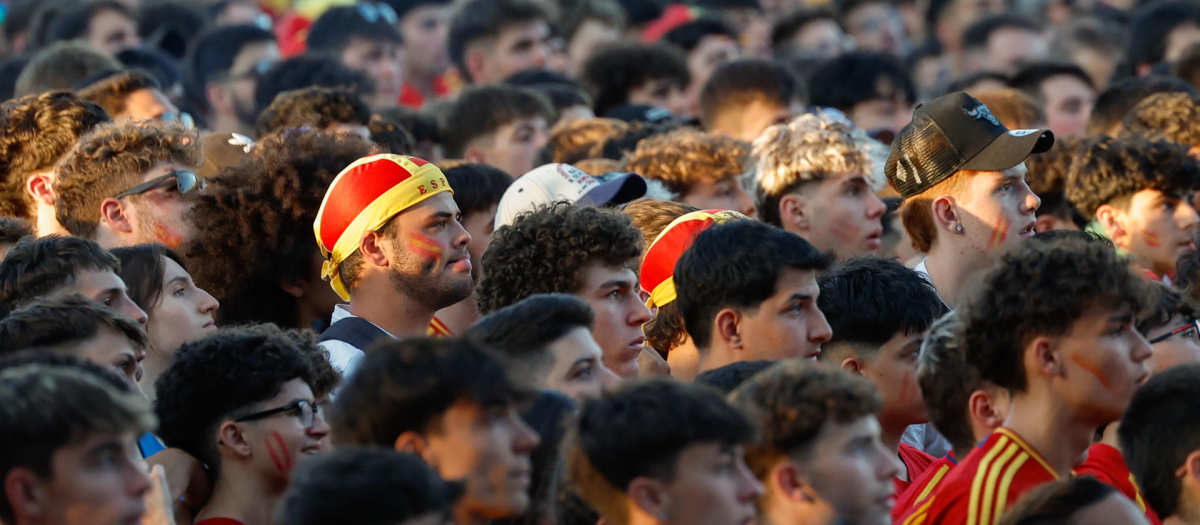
column 958, row 228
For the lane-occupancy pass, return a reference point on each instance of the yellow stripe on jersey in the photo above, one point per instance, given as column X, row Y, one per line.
column 937, row 478
column 1137, row 493
column 919, row 516
column 989, row 492
column 1005, row 482
column 980, row 474
column 1032, row 453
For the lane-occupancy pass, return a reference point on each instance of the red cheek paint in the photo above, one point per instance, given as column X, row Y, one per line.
column 274, row 456
column 166, row 236
column 425, row 247
column 282, row 458
column 1151, row 239
column 999, row 233
column 1095, row 371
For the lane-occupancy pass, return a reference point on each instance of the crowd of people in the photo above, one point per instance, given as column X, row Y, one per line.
column 599, row 262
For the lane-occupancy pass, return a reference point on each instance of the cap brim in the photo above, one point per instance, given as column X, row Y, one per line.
column 1010, row 149
column 626, row 188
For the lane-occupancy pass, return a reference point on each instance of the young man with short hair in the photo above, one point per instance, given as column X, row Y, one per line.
column 647, row 74
column 1064, row 92
column 132, row 95
column 873, row 90
column 809, row 33
column 241, row 402
column 451, row 403
column 491, row 40
column 662, row 452
column 224, row 67
column 333, row 110
column 129, row 183
column 425, row 25
column 1052, row 322
column 108, row 26
column 697, row 168
column 35, row 132
column 61, row 67
column 1161, row 442
column 389, row 230
column 1137, row 193
column 304, row 71
column 875, row 25
column 962, row 177
column 1165, row 116
column 748, row 291
column 745, row 97
column 364, row 38
column 70, row 448
column 1002, row 43
column 528, row 257
column 1171, row 328
column 587, row 26
column 548, row 341
column 880, row 312
column 709, row 42
column 817, row 178
column 505, row 126
column 1119, row 98
column 36, row 268
column 820, row 456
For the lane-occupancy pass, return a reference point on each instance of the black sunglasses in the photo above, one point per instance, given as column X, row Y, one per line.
column 308, row 412
column 1191, row 325
column 185, row 179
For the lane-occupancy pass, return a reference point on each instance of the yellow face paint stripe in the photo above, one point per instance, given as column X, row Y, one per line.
column 980, row 474
column 1005, row 482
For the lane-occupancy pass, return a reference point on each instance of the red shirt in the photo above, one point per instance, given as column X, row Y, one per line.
column 988, row 480
column 219, row 521
column 923, row 486
column 1107, row 465
column 916, row 461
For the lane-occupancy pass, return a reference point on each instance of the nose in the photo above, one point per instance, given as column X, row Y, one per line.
column 208, row 303
column 137, row 483
column 131, row 310
column 320, row 427
column 1142, row 350
column 525, row 438
column 541, row 53
column 1032, row 202
column 464, row 237
column 640, row 313
column 876, row 208
column 1190, row 219
column 819, row 330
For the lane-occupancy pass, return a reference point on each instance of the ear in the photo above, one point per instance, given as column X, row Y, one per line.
column 788, row 483
column 1191, row 465
column 854, row 365
column 475, row 61
column 1045, row 222
column 232, row 437
column 372, row 249
column 647, row 495
column 292, row 289
column 24, row 491
column 1045, row 356
column 38, row 185
column 112, row 213
column 415, row 444
column 945, row 213
column 793, row 211
column 475, row 155
column 1113, row 221
column 218, row 97
column 726, row 326
column 982, row 409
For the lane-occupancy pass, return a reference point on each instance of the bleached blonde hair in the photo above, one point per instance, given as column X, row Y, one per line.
column 812, row 147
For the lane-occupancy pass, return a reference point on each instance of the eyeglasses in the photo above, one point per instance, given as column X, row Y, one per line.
column 308, row 412
column 1191, row 325
column 258, row 70
column 186, row 181
column 372, row 12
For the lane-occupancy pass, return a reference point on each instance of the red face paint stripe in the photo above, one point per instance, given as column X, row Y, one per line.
column 1095, row 371
column 355, row 191
column 1151, row 239
column 274, row 457
column 999, row 233
column 287, row 456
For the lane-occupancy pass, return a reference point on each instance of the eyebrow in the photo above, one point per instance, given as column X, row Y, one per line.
column 618, row 283
column 106, row 446
column 856, row 180
column 801, row 297
column 180, row 278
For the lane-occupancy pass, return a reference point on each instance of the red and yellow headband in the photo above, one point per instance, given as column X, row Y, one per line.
column 658, row 266
column 362, row 198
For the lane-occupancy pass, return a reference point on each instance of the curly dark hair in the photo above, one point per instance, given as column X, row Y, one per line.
column 35, row 132
column 13, row 229
column 611, row 73
column 482, row 110
column 112, row 92
column 254, row 224
column 325, row 376
column 111, row 159
column 1109, row 170
column 1040, row 289
column 1166, row 303
column 314, row 106
column 544, row 251
column 792, row 402
column 218, row 378
column 1173, row 117
column 1187, row 274
column 36, row 267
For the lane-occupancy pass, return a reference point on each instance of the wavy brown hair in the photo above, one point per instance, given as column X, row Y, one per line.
column 682, row 158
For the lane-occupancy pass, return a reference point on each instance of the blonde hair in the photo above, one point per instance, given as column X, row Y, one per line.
column 685, row 157
column 810, row 148
column 583, row 139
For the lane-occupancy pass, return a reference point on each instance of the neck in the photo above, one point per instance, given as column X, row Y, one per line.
column 1052, row 430
column 459, row 316
column 776, row 510
column 716, row 357
column 390, row 310
column 685, row 361
column 242, row 496
column 951, row 271
column 46, row 223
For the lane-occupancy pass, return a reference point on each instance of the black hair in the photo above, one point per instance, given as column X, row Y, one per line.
column 522, row 331
column 365, row 486
column 36, row 267
column 143, row 268
column 75, row 21
column 1187, row 274
column 214, row 53
column 158, row 64
column 1030, row 77
column 733, row 85
column 1151, row 25
column 480, row 19
column 402, row 7
column 869, row 300
column 947, row 381
column 1158, row 432
column 13, row 230
column 223, row 376
column 688, row 35
column 1167, row 303
column 611, row 73
column 306, row 71
column 9, row 71
column 727, row 378
column 736, row 265
column 1057, row 502
column 338, row 26
column 642, row 12
column 424, row 127
column 480, row 111
column 853, row 78
column 171, row 25
column 1121, row 96
column 407, row 385
column 549, row 414
column 978, row 33
column 786, row 27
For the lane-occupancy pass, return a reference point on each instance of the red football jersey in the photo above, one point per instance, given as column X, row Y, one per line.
column 920, row 489
column 437, row 329
column 987, row 481
column 916, row 461
column 1106, row 464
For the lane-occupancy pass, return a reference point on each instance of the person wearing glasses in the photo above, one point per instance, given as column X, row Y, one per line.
column 363, row 37
column 241, row 401
column 130, row 183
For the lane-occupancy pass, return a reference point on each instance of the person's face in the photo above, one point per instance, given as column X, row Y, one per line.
column 997, row 209
column 488, row 449
column 111, row 32
column 1179, row 40
column 612, row 292
column 1102, row 360
column 882, row 114
column 148, row 104
column 931, row 72
column 893, row 370
column 1115, row 509
column 712, row 194
column 381, row 60
column 1068, row 104
column 425, row 29
column 515, row 145
column 98, row 480
column 280, row 442
column 823, row 38
column 850, row 216
column 160, row 215
column 849, row 468
column 183, row 312
column 1159, row 228
column 1179, row 348
column 243, row 76
column 431, row 263
column 518, row 48
column 788, row 324
column 712, row 486
column 107, row 288
column 480, row 225
column 1008, row 48
column 877, row 27
column 761, row 114
column 663, row 93
column 591, row 35
column 579, row 369
column 113, row 349
column 711, row 52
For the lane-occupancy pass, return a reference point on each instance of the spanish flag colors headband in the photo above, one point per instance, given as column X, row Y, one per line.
column 362, row 198
column 658, row 266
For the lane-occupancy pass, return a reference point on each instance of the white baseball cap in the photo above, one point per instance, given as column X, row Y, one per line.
column 564, row 182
